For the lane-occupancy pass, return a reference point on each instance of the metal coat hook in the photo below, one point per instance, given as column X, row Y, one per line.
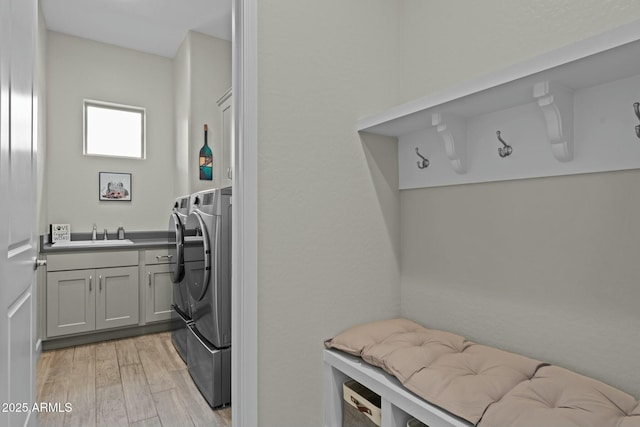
column 424, row 163
column 506, row 150
column 636, row 109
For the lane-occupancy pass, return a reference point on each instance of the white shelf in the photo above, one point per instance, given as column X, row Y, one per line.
column 565, row 112
column 398, row 404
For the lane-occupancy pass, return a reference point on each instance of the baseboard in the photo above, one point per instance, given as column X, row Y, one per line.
column 112, row 334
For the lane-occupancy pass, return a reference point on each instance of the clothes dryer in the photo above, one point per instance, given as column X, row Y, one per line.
column 207, row 262
column 181, row 313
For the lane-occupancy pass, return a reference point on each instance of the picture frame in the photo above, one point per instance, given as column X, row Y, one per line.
column 114, row 187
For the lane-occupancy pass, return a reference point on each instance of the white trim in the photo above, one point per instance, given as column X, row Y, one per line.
column 244, row 375
column 86, row 103
column 224, row 97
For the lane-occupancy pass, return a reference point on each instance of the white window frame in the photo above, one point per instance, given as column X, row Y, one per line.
column 119, row 107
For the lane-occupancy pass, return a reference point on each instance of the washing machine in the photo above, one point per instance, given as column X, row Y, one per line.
column 207, row 264
column 181, row 313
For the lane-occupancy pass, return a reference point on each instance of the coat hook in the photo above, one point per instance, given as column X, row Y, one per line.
column 636, row 108
column 424, row 163
column 506, row 150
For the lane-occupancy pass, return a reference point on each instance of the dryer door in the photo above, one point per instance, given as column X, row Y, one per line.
column 176, row 249
column 197, row 262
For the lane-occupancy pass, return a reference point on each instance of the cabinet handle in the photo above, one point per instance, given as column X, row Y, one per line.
column 229, row 172
column 149, row 279
column 159, row 257
column 100, row 282
column 90, row 280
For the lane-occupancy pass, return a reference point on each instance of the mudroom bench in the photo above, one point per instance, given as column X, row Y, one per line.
column 444, row 380
column 398, row 404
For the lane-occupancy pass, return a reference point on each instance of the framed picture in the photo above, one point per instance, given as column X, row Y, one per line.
column 115, row 186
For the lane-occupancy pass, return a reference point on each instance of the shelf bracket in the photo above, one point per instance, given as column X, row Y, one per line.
column 453, row 130
column 556, row 103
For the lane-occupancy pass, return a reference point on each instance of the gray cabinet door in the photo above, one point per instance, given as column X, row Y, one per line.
column 71, row 302
column 159, row 293
column 117, row 297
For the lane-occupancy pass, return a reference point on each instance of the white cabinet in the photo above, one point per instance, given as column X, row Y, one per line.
column 158, row 288
column 91, row 291
column 226, row 147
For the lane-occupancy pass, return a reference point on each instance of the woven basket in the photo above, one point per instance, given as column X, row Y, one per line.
column 362, row 408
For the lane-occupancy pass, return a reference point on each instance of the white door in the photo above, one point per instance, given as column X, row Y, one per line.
column 18, row 104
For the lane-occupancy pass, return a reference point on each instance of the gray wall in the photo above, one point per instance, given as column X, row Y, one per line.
column 182, row 97
column 210, row 79
column 80, row 68
column 202, row 69
column 557, row 282
column 546, row 267
column 327, row 214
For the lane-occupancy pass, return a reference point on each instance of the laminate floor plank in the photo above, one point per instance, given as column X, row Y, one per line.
column 197, row 406
column 146, row 342
column 132, row 382
column 61, row 363
column 171, row 358
column 110, row 407
column 54, row 387
column 54, row 391
column 107, row 367
column 106, row 351
column 137, row 395
column 41, row 370
column 82, row 394
column 225, row 415
column 127, row 352
column 84, row 352
column 149, row 422
column 157, row 376
column 107, row 373
column 171, row 409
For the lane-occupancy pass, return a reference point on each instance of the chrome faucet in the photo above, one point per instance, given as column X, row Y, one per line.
column 105, row 234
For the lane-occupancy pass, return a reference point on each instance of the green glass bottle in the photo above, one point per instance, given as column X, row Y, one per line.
column 206, row 159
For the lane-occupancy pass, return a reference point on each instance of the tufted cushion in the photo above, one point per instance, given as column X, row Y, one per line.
column 441, row 367
column 561, row 398
column 355, row 339
column 484, row 385
column 464, row 382
column 633, row 419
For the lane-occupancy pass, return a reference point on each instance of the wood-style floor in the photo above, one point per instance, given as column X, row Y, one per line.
column 139, row 381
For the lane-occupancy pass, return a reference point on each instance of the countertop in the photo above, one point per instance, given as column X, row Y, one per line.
column 141, row 240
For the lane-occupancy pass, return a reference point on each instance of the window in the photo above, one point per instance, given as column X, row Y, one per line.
column 114, row 130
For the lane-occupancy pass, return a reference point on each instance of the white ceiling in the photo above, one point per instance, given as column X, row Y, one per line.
column 153, row 26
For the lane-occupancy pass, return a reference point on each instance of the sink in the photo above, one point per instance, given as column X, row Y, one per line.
column 91, row 243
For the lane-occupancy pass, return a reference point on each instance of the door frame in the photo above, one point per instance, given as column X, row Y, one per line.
column 244, row 372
